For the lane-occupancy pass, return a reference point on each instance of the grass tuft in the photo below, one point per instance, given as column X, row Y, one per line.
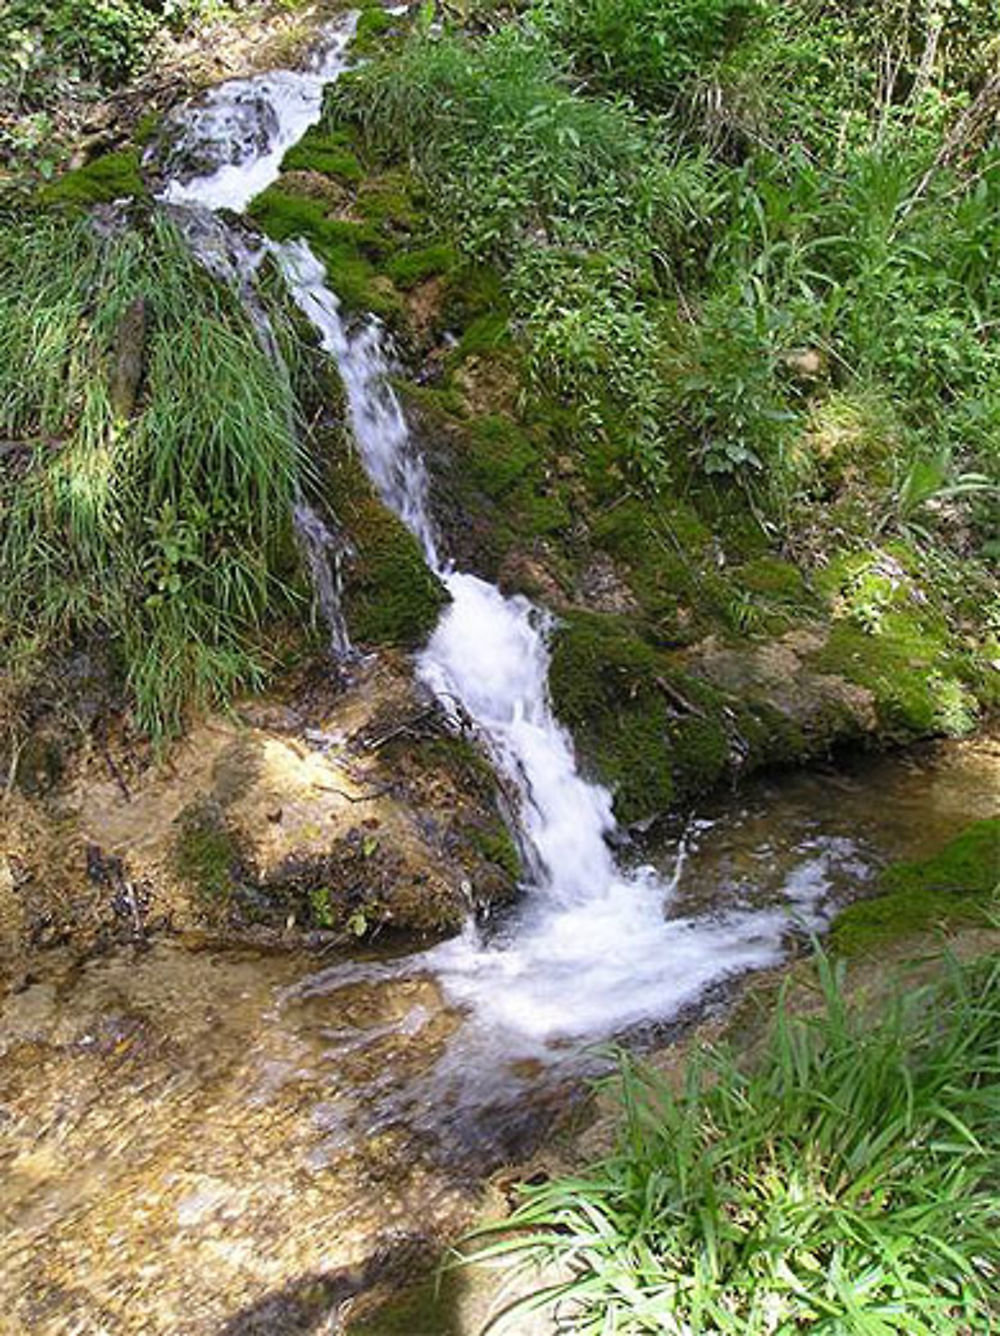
column 150, row 466
column 846, row 1184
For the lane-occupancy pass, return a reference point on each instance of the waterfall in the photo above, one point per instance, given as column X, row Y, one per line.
column 592, row 949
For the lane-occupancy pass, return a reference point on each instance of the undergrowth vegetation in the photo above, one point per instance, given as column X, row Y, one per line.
column 149, row 465
column 715, row 217
column 844, row 1182
column 74, row 49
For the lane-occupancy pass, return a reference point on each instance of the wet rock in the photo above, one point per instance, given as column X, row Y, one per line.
column 127, row 359
column 330, row 815
column 777, row 673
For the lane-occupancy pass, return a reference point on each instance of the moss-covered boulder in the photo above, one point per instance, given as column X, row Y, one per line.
column 113, row 176
column 390, row 595
column 896, row 630
column 652, row 731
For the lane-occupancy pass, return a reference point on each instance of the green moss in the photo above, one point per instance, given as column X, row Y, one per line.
column 669, row 562
column 205, row 852
column 391, row 597
column 146, row 128
column 892, row 634
column 328, row 153
column 283, row 215
column 959, row 884
column 476, row 304
column 602, row 680
column 850, row 435
column 497, row 846
column 539, row 513
column 916, row 680
column 391, row 202
column 410, row 267
column 777, row 579
column 653, row 733
column 346, row 248
column 114, row 176
column 499, row 455
column 968, row 865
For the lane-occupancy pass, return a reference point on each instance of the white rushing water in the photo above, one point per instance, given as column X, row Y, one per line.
column 593, row 949
column 241, row 130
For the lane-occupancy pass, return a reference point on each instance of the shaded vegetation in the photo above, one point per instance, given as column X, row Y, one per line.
column 845, row 1182
column 73, row 49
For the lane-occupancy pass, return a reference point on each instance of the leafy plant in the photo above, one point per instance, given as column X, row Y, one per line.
column 649, row 49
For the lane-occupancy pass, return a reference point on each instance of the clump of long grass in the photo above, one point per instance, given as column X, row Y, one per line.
column 846, row 1182
column 164, row 532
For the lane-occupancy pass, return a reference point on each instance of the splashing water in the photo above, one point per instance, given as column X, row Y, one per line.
column 593, row 949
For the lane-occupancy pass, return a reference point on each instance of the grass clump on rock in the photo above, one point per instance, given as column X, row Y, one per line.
column 150, row 465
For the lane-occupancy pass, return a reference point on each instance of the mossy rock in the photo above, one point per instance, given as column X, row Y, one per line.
column 499, row 455
column 891, row 633
column 111, row 177
column 391, row 597
column 391, row 201
column 917, row 680
column 206, row 853
column 494, row 489
column 410, row 267
column 349, row 250
column 326, row 152
column 650, row 732
column 491, row 837
column 476, row 829
column 957, row 885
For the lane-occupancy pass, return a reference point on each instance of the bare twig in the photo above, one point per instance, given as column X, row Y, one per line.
column 352, row 797
column 681, row 701
column 116, row 774
column 974, row 120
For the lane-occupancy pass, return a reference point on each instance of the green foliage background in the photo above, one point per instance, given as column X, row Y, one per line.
column 684, row 192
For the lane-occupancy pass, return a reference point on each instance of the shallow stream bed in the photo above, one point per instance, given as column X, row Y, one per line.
column 212, row 1143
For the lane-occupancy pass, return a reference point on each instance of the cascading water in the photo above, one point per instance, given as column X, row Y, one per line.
column 226, row 148
column 592, row 950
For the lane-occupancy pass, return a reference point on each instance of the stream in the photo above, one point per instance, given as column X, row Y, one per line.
column 595, row 948
column 209, row 1142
